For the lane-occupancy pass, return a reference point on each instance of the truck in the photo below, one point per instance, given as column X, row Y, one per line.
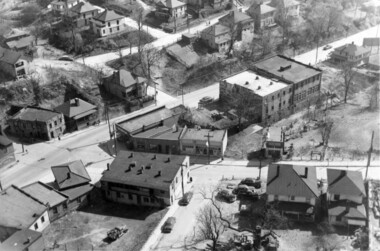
column 117, row 232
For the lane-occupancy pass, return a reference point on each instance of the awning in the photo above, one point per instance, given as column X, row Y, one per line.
column 356, row 222
column 84, row 114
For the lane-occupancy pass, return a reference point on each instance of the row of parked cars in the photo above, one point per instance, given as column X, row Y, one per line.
column 248, row 187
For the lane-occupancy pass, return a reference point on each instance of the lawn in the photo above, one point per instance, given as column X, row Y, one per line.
column 87, row 229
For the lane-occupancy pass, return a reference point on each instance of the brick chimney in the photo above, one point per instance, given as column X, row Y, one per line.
column 76, row 101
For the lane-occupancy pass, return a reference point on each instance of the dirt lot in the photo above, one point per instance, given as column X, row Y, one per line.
column 87, row 229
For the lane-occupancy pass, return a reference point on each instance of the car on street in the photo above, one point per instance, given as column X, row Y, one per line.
column 227, row 195
column 186, row 199
column 240, row 189
column 256, row 183
column 168, row 225
column 206, row 100
column 327, row 47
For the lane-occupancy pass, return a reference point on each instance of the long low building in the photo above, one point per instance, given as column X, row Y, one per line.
column 146, row 179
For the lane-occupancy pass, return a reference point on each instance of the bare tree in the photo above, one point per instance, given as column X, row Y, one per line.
column 139, row 17
column 210, row 226
column 325, row 131
column 347, row 73
column 284, row 20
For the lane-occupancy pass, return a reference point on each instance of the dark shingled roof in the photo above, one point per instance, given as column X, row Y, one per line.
column 347, row 209
column 345, row 182
column 107, row 15
column 70, row 174
column 291, row 181
column 83, row 7
column 171, row 3
column 20, row 240
column 149, row 178
column 75, row 192
column 35, row 114
column 8, row 56
column 216, row 30
column 45, row 193
column 236, row 17
column 70, row 109
column 296, row 73
column 18, row 208
column 351, row 50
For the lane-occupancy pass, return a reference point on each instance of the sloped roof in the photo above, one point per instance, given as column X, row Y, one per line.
column 351, row 50
column 371, row 41
column 107, row 15
column 20, row 240
column 70, row 174
column 45, row 193
column 21, row 43
column 70, row 109
column 216, row 30
column 291, row 181
column 127, row 78
column 171, row 3
column 83, row 7
column 75, row 192
column 345, row 182
column 35, row 114
column 15, row 33
column 347, row 209
column 264, row 8
column 236, row 17
column 149, row 178
column 8, row 56
column 18, row 208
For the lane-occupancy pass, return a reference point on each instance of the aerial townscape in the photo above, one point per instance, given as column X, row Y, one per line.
column 176, row 125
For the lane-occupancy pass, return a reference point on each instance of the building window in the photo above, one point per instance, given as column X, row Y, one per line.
column 336, row 196
column 65, row 206
column 272, row 97
column 130, row 197
column 50, row 125
column 79, row 200
column 272, row 107
column 42, row 219
column 110, row 30
column 109, row 24
column 146, row 199
column 292, row 197
column 55, row 210
column 60, row 120
column 55, row 123
column 118, row 28
column 35, row 226
column 104, row 31
column 117, row 22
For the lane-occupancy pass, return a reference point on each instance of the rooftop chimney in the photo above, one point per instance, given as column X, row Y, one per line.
column 257, row 77
column 168, row 159
column 247, row 83
column 68, row 175
column 159, row 174
column 259, row 87
column 306, row 172
column 154, row 157
column 77, row 101
column 131, row 155
column 108, row 166
column 278, row 171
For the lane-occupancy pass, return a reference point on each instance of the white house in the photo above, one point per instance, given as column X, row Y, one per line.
column 107, row 23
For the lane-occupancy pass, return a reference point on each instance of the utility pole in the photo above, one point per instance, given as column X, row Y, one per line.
column 108, row 121
column 369, row 155
column 208, row 145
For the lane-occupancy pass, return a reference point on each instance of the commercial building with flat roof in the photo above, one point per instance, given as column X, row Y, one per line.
column 304, row 80
column 270, row 97
column 146, row 179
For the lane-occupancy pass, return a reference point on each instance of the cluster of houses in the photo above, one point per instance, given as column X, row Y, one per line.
column 46, row 124
column 27, row 211
column 298, row 194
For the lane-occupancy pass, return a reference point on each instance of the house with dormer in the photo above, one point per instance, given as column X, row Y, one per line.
column 351, row 53
column 73, row 181
column 146, row 179
column 294, row 189
column 345, row 195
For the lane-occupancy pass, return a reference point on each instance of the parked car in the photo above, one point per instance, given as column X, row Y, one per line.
column 226, row 195
column 65, row 58
column 231, row 186
column 327, row 47
column 256, row 183
column 240, row 189
column 168, row 225
column 117, row 232
column 206, row 100
column 186, row 199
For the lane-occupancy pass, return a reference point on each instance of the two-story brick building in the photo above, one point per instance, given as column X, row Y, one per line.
column 82, row 13
column 217, row 37
column 146, row 179
column 304, row 80
column 270, row 96
column 170, row 9
column 36, row 122
column 345, row 195
column 295, row 190
column 13, row 63
column 107, row 23
column 126, row 85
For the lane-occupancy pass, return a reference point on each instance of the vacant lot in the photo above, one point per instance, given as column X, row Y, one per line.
column 87, row 229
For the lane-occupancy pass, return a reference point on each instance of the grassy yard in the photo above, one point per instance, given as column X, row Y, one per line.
column 87, row 229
